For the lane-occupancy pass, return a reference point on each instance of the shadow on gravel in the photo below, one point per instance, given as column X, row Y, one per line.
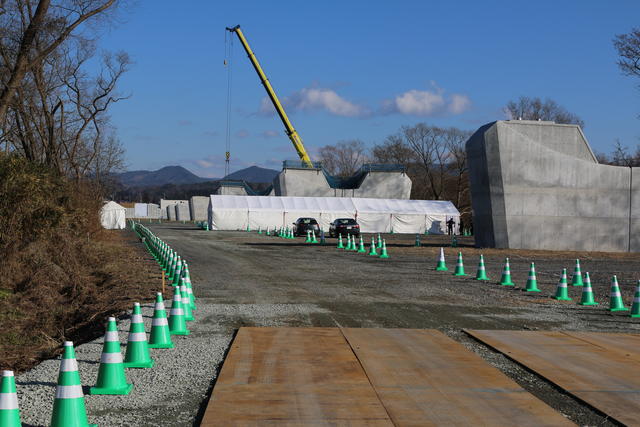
column 89, row 362
column 42, row 383
column 283, row 244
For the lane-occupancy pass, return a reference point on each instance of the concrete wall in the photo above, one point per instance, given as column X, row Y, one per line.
column 168, row 210
column 303, row 183
column 199, row 205
column 313, row 183
column 385, row 185
column 182, row 212
column 231, row 190
column 537, row 185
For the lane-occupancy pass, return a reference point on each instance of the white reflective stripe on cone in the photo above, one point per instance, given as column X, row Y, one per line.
column 636, row 299
column 137, row 336
column 531, row 277
column 159, row 306
column 111, row 358
column 8, row 401
column 136, row 318
column 177, row 312
column 616, row 294
column 68, row 365
column 111, row 336
column 69, row 392
column 161, row 321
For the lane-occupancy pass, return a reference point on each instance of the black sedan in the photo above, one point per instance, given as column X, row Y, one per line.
column 344, row 226
column 302, row 225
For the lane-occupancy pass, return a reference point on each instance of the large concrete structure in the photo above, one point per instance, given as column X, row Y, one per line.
column 371, row 181
column 538, row 185
column 199, row 207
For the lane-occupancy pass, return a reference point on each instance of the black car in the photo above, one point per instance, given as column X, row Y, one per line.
column 344, row 226
column 302, row 225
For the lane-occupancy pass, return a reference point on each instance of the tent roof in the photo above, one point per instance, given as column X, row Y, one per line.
column 112, row 206
column 333, row 204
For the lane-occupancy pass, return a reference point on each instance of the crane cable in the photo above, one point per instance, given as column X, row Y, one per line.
column 228, row 52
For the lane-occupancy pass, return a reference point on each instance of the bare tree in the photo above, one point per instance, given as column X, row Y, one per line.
column 455, row 140
column 30, row 21
column 393, row 150
column 344, row 158
column 58, row 115
column 526, row 108
column 429, row 145
column 628, row 47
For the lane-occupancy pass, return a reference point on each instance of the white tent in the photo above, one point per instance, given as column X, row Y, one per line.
column 374, row 215
column 112, row 216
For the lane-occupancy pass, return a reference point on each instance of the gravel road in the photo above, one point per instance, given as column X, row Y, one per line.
column 246, row 279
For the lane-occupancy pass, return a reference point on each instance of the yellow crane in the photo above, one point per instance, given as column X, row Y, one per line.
column 290, row 130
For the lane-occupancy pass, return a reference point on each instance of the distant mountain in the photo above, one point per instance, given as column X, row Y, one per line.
column 253, row 174
column 167, row 175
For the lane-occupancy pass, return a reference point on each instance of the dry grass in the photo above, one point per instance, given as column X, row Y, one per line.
column 61, row 275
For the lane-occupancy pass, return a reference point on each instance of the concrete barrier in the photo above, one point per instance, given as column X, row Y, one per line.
column 537, row 185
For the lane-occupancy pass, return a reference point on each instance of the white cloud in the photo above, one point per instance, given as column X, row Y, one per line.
column 459, row 103
column 427, row 103
column 242, row 133
column 204, row 163
column 270, row 134
column 317, row 99
column 419, row 103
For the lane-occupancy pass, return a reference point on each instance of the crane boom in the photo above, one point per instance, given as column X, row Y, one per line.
column 290, row 130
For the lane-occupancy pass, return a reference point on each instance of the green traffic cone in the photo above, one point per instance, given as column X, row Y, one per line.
column 615, row 297
column 354, row 245
column 186, row 302
column 361, row 249
column 379, row 241
column 187, row 282
column 313, row 237
column 532, row 282
column 68, row 406
column 481, row 274
column 178, row 272
column 259, row 229
column 417, row 242
column 459, row 270
column 111, row 375
column 454, row 241
column 635, row 307
column 248, row 228
column 137, row 354
column 308, row 237
column 587, row 292
column 177, row 322
column 562, row 293
column 577, row 275
column 268, row 231
column 372, row 250
column 383, row 253
column 9, row 412
column 340, row 244
column 505, row 279
column 441, row 266
column 348, row 247
column 160, row 336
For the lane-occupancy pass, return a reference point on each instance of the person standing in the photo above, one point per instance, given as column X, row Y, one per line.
column 450, row 225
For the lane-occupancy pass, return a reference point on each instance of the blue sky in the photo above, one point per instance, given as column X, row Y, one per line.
column 360, row 69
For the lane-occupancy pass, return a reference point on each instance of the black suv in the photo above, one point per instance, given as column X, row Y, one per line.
column 344, row 226
column 302, row 225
